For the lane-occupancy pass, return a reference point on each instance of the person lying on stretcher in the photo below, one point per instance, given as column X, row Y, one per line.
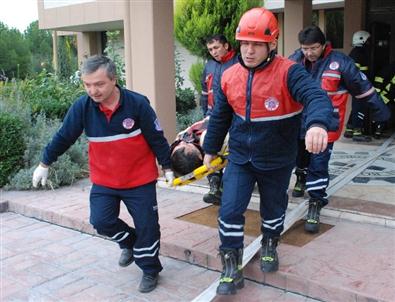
column 187, row 155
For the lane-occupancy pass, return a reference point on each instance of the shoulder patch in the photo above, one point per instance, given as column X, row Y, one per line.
column 157, row 125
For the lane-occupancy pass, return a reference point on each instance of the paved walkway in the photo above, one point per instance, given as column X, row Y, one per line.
column 353, row 260
column 45, row 262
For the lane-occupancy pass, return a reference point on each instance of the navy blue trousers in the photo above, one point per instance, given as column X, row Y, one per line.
column 317, row 166
column 239, row 182
column 359, row 110
column 142, row 205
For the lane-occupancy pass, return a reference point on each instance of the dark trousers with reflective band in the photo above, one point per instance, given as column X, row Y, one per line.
column 239, row 182
column 359, row 111
column 318, row 174
column 142, row 205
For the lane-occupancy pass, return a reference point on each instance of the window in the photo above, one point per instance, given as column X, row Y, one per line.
column 334, row 27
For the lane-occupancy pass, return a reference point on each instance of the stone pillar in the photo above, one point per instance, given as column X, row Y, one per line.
column 297, row 15
column 55, row 62
column 149, row 56
column 88, row 44
column 354, row 20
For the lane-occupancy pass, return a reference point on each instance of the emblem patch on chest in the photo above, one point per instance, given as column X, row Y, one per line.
column 334, row 66
column 272, row 104
column 128, row 123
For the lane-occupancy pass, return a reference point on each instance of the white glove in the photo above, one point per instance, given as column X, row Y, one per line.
column 41, row 173
column 169, row 175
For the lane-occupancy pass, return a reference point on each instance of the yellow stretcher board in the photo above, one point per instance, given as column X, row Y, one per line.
column 201, row 172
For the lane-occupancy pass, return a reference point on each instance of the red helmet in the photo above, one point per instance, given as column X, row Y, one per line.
column 257, row 24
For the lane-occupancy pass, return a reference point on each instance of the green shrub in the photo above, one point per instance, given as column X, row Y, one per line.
column 185, row 97
column 195, row 75
column 186, row 120
column 48, row 94
column 37, row 132
column 69, row 167
column 185, row 100
column 12, row 146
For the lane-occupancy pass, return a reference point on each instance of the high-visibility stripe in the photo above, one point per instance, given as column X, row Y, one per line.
column 275, row 220
column 370, row 91
column 146, row 248
column 337, row 92
column 364, row 68
column 272, row 227
column 272, row 118
column 125, row 234
column 112, row 138
column 231, row 234
column 316, row 188
column 378, row 79
column 230, row 226
column 331, row 75
column 146, row 255
column 316, row 181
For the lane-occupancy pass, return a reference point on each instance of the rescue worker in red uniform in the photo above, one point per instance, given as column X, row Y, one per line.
column 125, row 139
column 338, row 76
column 260, row 103
column 223, row 56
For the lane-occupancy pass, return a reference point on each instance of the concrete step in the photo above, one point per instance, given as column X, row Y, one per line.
column 351, row 261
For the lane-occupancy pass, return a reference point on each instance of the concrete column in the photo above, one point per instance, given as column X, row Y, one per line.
column 55, row 61
column 152, row 57
column 280, row 46
column 88, row 44
column 321, row 20
column 297, row 15
column 127, row 45
column 354, row 20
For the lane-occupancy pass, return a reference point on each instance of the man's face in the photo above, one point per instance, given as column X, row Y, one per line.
column 312, row 52
column 217, row 50
column 254, row 53
column 99, row 86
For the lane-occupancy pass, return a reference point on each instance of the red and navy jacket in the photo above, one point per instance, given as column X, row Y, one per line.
column 211, row 80
column 261, row 108
column 122, row 149
column 338, row 76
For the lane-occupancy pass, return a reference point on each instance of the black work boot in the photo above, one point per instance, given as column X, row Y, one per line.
column 348, row 133
column 148, row 282
column 126, row 257
column 312, row 223
column 359, row 137
column 232, row 274
column 300, row 184
column 269, row 257
column 378, row 133
column 215, row 193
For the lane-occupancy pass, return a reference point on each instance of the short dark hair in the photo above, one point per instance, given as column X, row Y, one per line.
column 183, row 162
column 220, row 38
column 310, row 35
column 93, row 63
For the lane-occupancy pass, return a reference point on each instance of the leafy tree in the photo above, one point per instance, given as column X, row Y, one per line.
column 14, row 53
column 114, row 50
column 67, row 56
column 40, row 45
column 195, row 20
